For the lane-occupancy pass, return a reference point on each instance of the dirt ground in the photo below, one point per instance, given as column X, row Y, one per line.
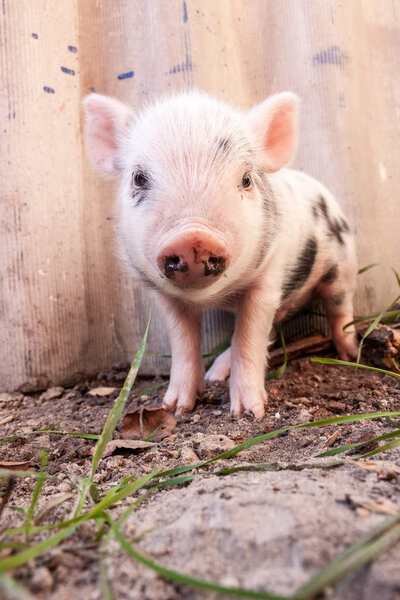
column 269, row 530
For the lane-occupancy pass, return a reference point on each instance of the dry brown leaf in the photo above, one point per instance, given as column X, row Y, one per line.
column 132, row 445
column 141, row 423
column 7, row 420
column 15, row 465
column 102, row 391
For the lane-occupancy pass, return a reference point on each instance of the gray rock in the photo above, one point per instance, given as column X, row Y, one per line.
column 188, row 455
column 34, row 384
column 268, row 531
column 209, row 445
column 11, row 397
column 42, row 580
column 52, row 393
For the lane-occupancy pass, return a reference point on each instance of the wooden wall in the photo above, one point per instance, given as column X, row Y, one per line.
column 67, row 306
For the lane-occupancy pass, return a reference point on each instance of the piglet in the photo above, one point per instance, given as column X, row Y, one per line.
column 207, row 216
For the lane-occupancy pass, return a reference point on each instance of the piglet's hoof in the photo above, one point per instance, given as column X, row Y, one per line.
column 248, row 401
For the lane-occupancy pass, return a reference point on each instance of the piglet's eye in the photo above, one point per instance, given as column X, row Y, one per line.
column 246, row 180
column 139, row 179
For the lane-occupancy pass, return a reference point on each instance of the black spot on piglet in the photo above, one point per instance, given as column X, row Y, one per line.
column 302, row 270
column 336, row 227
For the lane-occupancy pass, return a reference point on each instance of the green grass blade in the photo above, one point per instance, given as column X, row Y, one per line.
column 397, row 276
column 185, row 579
column 336, row 361
column 7, row 473
column 390, row 314
column 105, row 582
column 153, row 433
column 9, row 439
column 12, row 589
column 371, row 327
column 119, row 405
column 353, row 558
column 126, row 514
column 116, row 495
column 112, row 420
column 367, row 268
column 220, row 348
column 36, row 492
column 150, row 389
column 86, row 436
column 22, row 557
column 276, row 373
column 340, row 449
column 52, row 504
column 13, row 437
column 383, row 448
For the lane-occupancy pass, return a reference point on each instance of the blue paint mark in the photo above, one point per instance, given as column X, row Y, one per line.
column 28, row 362
column 331, row 56
column 72, row 48
column 35, row 35
column 179, row 68
column 342, row 100
column 188, row 57
column 333, row 13
column 127, row 75
column 92, row 89
column 48, row 90
column 185, row 14
column 68, row 71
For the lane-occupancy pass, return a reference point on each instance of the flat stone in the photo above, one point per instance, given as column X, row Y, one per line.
column 52, row 393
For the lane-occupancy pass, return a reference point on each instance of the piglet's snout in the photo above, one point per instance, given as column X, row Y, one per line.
column 194, row 257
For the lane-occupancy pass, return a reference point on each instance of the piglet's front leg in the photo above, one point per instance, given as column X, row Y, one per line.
column 249, row 352
column 187, row 372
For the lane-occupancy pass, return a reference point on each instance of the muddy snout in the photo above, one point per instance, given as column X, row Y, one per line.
column 194, row 257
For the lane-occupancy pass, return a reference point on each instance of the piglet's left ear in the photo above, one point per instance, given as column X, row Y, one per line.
column 274, row 123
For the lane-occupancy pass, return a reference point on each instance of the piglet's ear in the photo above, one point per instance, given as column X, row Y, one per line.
column 274, row 123
column 105, row 124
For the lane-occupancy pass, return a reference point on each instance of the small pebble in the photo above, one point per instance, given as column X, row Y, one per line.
column 196, row 418
column 7, row 420
column 332, row 439
column 42, row 580
column 188, row 455
column 52, row 393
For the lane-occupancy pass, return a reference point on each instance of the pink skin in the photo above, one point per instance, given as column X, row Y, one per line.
column 249, row 352
column 187, row 371
column 192, row 256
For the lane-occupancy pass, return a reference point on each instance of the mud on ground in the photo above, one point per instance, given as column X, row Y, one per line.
column 267, row 530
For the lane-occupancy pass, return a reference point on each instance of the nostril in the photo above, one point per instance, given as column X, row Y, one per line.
column 174, row 263
column 214, row 265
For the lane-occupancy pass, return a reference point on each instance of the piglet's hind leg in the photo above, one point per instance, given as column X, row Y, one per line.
column 220, row 368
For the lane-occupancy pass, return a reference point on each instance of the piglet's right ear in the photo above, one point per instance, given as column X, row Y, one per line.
column 105, row 124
